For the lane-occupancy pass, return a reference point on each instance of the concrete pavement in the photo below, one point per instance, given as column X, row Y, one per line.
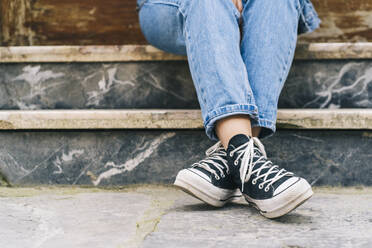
column 162, row 216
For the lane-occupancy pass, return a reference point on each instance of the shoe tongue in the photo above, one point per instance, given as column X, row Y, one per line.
column 238, row 140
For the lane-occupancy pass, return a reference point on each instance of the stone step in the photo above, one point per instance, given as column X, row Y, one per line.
column 121, row 157
column 324, row 75
column 173, row 119
column 130, row 53
column 106, row 147
column 37, row 147
column 316, row 144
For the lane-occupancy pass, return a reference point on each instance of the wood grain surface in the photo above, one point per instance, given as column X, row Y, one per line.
column 115, row 22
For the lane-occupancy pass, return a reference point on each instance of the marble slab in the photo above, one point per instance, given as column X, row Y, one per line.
column 311, row 84
column 328, row 84
column 103, row 158
column 96, row 85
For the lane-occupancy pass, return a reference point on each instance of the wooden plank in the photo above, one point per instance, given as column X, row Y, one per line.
column 1, row 22
column 14, row 16
column 173, row 119
column 127, row 53
column 115, row 22
column 342, row 21
column 86, row 22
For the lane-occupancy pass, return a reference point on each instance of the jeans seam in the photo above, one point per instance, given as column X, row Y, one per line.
column 161, row 2
column 311, row 15
column 158, row 2
column 286, row 64
column 259, row 122
column 217, row 112
column 189, row 52
column 305, row 20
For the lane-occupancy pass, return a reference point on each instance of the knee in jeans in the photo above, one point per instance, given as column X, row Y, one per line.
column 275, row 5
column 214, row 6
column 161, row 24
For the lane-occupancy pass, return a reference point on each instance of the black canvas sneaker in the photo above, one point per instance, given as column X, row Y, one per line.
column 272, row 190
column 209, row 180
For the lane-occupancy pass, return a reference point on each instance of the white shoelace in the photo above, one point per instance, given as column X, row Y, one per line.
column 247, row 150
column 215, row 152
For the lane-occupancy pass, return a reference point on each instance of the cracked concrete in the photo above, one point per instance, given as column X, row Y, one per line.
column 162, row 216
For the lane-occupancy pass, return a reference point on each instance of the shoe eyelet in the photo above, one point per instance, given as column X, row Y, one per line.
column 236, row 162
column 254, row 182
column 217, row 177
column 260, row 186
column 231, row 154
column 223, row 176
column 267, row 189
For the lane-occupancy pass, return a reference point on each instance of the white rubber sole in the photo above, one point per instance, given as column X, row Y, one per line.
column 200, row 188
column 285, row 202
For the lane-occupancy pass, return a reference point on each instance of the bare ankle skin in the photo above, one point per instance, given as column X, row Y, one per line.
column 237, row 124
column 232, row 125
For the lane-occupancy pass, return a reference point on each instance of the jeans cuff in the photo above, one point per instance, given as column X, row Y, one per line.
column 228, row 110
column 268, row 127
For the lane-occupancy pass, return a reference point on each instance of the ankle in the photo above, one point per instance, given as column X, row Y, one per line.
column 230, row 126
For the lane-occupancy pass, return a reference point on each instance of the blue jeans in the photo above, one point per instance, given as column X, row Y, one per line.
column 235, row 70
